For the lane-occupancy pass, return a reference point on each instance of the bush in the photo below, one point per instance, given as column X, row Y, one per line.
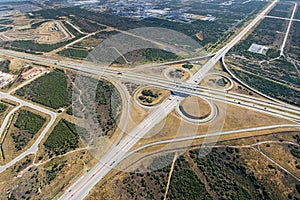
column 188, row 66
column 295, row 153
column 4, row 66
column 298, row 188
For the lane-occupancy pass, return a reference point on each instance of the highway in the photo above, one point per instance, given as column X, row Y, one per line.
column 120, row 151
column 34, row 147
column 82, row 187
column 126, row 111
column 190, row 87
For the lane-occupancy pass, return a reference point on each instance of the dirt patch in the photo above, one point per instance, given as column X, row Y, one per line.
column 177, row 74
column 50, row 32
column 215, row 81
column 195, row 107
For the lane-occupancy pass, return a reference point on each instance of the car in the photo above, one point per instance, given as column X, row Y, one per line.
column 112, row 163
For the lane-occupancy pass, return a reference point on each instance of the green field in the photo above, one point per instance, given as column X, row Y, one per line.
column 49, row 90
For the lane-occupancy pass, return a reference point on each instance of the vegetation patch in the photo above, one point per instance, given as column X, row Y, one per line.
column 80, row 50
column 269, row 87
column 144, row 185
column 26, row 126
column 6, row 21
column 282, row 10
column 177, row 74
column 3, row 109
column 5, row 28
column 293, row 42
column 50, row 90
column 74, row 53
column 295, row 153
column 152, row 96
column 147, row 55
column 187, row 66
column 148, row 96
column 51, row 173
column 4, row 66
column 63, row 138
column 185, row 183
column 85, row 25
column 271, row 74
column 216, row 81
column 213, row 31
column 227, row 176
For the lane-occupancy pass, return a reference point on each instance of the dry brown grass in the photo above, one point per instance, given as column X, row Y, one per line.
column 137, row 115
column 229, row 117
column 272, row 178
column 22, row 21
column 75, row 165
column 280, row 153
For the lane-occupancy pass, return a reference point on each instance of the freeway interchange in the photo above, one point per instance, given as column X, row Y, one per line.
column 118, row 152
